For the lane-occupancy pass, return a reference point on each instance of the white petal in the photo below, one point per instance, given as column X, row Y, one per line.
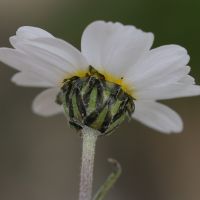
column 158, row 117
column 172, row 91
column 59, row 48
column 48, row 57
column 30, row 32
column 44, row 103
column 161, row 67
column 25, row 33
column 24, row 62
column 113, row 48
column 164, row 79
column 187, row 80
column 29, row 80
column 10, row 57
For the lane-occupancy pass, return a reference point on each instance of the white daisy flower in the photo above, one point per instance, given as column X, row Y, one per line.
column 115, row 51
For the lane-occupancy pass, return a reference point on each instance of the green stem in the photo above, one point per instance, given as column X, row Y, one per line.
column 110, row 180
column 89, row 140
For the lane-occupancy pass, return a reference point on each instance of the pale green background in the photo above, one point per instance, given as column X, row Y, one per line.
column 40, row 157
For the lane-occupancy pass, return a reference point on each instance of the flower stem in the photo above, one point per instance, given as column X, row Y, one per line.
column 89, row 140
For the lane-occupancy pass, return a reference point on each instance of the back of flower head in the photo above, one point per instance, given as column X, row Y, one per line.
column 94, row 102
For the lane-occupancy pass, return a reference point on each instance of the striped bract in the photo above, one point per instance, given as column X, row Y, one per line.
column 95, row 102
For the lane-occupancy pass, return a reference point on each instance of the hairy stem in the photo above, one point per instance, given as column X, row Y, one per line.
column 88, row 151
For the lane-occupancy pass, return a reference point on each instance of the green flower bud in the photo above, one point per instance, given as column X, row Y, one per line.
column 94, row 102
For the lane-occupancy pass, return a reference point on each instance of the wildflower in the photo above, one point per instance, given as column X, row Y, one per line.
column 118, row 59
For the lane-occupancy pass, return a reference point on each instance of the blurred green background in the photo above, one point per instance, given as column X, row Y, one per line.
column 40, row 157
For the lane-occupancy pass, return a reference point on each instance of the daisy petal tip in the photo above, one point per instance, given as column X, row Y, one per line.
column 178, row 125
column 178, row 129
column 44, row 103
column 151, row 37
column 158, row 116
column 148, row 35
column 175, row 130
column 13, row 80
column 12, row 39
column 37, row 112
column 4, row 54
column 187, row 69
column 30, row 32
column 187, row 57
column 96, row 23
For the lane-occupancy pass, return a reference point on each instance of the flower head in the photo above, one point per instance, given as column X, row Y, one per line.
column 120, row 54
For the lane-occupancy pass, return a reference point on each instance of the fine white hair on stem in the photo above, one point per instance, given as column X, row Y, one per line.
column 88, row 150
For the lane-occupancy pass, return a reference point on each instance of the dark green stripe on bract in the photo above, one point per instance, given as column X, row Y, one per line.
column 77, row 128
column 95, row 102
column 115, row 124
